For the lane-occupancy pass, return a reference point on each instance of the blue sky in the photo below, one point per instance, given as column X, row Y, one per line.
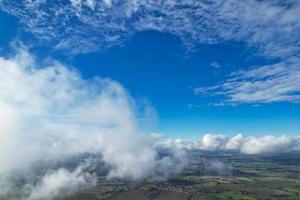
column 226, row 74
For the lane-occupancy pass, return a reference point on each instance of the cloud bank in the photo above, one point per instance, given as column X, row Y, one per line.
column 251, row 145
column 50, row 115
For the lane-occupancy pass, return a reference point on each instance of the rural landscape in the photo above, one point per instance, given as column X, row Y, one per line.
column 212, row 176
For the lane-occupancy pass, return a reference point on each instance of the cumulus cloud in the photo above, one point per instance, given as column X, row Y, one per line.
column 252, row 145
column 49, row 115
column 60, row 183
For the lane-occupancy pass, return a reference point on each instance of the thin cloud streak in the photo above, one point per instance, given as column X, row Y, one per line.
column 279, row 82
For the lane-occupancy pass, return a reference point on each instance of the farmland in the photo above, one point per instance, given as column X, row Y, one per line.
column 212, row 176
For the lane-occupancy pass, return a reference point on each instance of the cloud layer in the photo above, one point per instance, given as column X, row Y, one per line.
column 87, row 25
column 252, row 145
column 272, row 27
column 50, row 115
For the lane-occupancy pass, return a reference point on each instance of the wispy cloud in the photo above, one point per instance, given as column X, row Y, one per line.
column 87, row 25
column 271, row 27
column 279, row 82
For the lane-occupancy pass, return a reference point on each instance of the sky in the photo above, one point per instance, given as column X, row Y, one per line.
column 208, row 67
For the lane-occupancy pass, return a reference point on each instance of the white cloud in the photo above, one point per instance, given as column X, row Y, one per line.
column 264, row 84
column 271, row 26
column 60, row 183
column 50, row 114
column 268, row 144
column 215, row 65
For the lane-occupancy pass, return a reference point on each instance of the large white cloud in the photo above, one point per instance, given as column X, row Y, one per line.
column 268, row 144
column 50, row 114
